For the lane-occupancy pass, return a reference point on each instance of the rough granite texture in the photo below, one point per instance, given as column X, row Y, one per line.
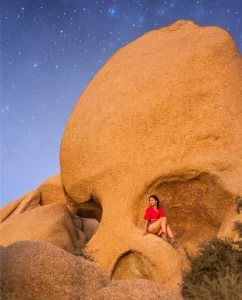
column 162, row 116
column 34, row 270
column 51, row 223
column 52, row 190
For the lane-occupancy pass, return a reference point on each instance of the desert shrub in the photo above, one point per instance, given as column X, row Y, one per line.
column 216, row 272
column 238, row 228
column 238, row 204
column 237, row 224
column 80, row 250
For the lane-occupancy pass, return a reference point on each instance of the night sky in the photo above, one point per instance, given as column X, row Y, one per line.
column 51, row 49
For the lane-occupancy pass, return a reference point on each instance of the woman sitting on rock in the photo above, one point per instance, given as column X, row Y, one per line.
column 156, row 221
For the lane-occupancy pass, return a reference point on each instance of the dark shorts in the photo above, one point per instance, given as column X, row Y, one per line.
column 150, row 222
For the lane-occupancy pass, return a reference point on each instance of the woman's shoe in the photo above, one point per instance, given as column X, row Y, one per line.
column 164, row 236
column 173, row 243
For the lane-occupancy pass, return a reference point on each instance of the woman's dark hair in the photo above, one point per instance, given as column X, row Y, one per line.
column 156, row 198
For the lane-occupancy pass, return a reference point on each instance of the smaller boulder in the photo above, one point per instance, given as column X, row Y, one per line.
column 29, row 201
column 34, row 270
column 134, row 289
column 52, row 190
column 8, row 209
column 51, row 223
column 90, row 226
column 26, row 202
column 77, row 221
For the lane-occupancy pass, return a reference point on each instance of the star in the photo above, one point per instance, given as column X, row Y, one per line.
column 111, row 11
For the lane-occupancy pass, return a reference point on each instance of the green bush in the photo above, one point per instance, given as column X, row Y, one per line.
column 216, row 272
column 238, row 228
column 80, row 250
column 238, row 204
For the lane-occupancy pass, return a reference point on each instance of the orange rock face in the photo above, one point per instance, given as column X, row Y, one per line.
column 51, row 223
column 38, row 270
column 42, row 214
column 52, row 190
column 162, row 116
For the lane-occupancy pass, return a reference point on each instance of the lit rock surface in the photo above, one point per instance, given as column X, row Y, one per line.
column 38, row 270
column 33, row 270
column 51, row 223
column 52, row 190
column 162, row 116
column 26, row 202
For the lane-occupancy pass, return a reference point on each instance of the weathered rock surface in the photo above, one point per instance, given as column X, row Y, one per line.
column 26, row 202
column 136, row 289
column 52, row 190
column 8, row 209
column 90, row 227
column 51, row 223
column 227, row 228
column 163, row 116
column 38, row 271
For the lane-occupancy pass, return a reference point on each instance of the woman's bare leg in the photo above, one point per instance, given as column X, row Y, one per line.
column 163, row 224
column 158, row 225
column 160, row 232
column 172, row 238
column 155, row 227
column 169, row 231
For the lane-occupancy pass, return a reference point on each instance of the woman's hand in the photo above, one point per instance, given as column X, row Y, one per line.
column 146, row 227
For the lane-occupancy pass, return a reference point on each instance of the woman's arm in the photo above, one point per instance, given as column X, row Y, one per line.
column 146, row 229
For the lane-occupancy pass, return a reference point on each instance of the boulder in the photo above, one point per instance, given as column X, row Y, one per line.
column 26, row 202
column 29, row 201
column 8, row 209
column 134, row 289
column 162, row 116
column 90, row 226
column 52, row 190
column 51, row 223
column 34, row 270
column 77, row 221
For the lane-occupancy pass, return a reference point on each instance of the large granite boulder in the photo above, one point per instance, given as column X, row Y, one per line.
column 52, row 190
column 162, row 116
column 51, row 223
column 26, row 202
column 34, row 270
column 40, row 270
column 134, row 289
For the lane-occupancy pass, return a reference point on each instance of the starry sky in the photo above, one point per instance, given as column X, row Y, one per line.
column 50, row 50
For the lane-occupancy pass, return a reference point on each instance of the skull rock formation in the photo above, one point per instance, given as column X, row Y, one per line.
column 162, row 116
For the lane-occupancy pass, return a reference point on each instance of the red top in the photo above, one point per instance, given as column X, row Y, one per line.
column 151, row 213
